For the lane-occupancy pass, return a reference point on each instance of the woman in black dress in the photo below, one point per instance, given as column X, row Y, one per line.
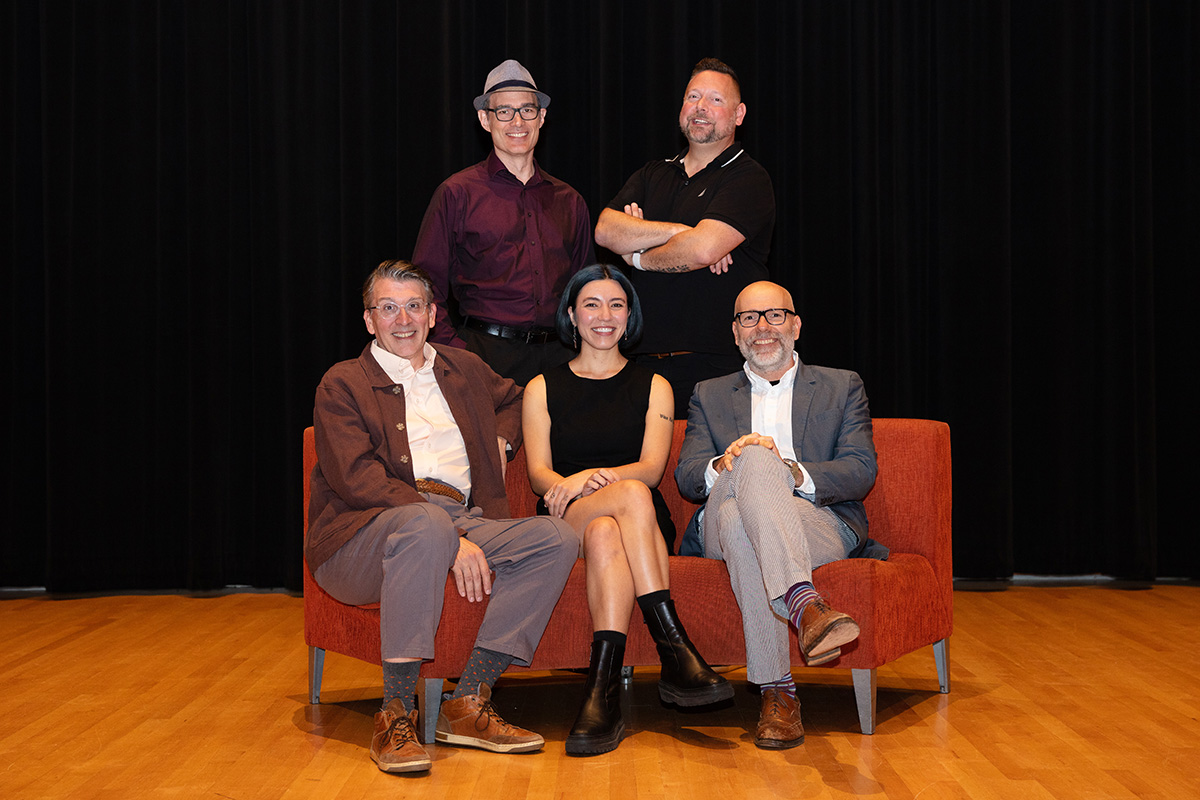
column 597, row 434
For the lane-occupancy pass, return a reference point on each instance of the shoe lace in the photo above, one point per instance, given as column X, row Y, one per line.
column 775, row 700
column 401, row 732
column 487, row 714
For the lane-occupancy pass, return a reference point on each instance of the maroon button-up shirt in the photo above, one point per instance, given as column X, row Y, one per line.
column 503, row 249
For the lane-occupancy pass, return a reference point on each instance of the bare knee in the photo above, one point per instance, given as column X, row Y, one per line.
column 633, row 498
column 602, row 540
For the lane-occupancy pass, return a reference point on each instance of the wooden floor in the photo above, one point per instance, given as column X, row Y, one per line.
column 1057, row 692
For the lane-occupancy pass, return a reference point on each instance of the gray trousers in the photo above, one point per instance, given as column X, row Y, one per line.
column 771, row 540
column 401, row 558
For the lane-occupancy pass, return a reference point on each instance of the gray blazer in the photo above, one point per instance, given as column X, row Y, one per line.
column 831, row 431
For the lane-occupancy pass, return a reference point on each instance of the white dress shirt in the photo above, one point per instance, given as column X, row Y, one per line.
column 771, row 415
column 438, row 449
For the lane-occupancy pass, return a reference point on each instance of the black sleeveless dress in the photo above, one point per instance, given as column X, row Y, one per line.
column 601, row 423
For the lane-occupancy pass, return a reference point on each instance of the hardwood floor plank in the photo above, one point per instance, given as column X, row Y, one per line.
column 1058, row 692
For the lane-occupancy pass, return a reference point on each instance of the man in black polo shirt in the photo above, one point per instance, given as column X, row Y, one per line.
column 697, row 229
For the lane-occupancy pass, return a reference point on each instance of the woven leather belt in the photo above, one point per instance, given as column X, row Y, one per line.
column 436, row 487
column 528, row 335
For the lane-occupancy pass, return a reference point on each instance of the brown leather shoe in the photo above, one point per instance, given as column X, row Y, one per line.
column 823, row 631
column 394, row 746
column 472, row 720
column 778, row 721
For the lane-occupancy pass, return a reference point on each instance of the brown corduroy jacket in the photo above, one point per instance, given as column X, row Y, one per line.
column 364, row 464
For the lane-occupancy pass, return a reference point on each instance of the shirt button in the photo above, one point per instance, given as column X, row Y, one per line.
column 397, row 390
column 404, row 459
column 399, row 426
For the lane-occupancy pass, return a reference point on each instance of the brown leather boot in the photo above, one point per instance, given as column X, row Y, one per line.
column 394, row 745
column 472, row 721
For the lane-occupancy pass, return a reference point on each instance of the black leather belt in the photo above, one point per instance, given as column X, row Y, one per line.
column 533, row 335
column 671, row 354
column 437, row 487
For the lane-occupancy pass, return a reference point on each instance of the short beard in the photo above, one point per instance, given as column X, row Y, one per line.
column 714, row 135
column 782, row 363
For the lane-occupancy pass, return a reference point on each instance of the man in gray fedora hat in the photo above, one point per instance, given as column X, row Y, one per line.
column 501, row 238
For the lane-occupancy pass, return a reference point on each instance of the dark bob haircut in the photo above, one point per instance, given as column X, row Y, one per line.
column 598, row 272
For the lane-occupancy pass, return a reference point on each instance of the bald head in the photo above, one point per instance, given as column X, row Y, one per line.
column 767, row 348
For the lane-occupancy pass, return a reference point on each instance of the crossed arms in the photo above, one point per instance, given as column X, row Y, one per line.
column 667, row 246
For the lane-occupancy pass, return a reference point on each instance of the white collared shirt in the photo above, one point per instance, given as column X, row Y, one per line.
column 438, row 449
column 771, row 415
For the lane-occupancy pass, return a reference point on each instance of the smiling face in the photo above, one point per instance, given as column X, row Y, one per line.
column 767, row 348
column 600, row 314
column 404, row 335
column 712, row 109
column 516, row 137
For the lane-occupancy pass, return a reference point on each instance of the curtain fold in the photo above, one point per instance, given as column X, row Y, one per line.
column 988, row 209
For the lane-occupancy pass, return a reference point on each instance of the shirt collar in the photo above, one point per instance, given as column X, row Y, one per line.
column 400, row 370
column 496, row 169
column 760, row 384
column 728, row 156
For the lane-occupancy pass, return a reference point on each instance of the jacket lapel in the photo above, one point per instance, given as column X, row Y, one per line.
column 742, row 408
column 802, row 396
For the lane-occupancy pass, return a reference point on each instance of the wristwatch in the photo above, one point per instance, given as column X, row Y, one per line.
column 797, row 475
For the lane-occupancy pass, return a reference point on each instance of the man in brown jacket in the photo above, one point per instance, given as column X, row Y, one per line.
column 411, row 446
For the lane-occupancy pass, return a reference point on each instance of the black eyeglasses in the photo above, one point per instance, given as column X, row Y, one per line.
column 506, row 113
column 775, row 316
column 414, row 308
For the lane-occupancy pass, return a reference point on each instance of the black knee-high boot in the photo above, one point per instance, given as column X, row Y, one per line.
column 686, row 680
column 599, row 726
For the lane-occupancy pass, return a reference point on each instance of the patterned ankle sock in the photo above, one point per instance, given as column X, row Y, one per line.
column 484, row 666
column 796, row 598
column 784, row 684
column 400, row 680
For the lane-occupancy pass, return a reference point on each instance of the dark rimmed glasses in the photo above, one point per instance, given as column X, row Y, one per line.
column 775, row 316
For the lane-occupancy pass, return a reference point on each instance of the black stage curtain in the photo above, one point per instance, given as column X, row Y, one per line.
column 988, row 209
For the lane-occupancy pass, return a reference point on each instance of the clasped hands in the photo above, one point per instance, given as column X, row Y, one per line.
column 581, row 484
column 635, row 211
column 725, row 462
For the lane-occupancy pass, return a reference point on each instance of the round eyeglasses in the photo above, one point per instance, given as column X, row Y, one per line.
column 414, row 308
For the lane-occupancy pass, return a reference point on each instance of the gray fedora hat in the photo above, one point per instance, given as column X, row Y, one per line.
column 510, row 76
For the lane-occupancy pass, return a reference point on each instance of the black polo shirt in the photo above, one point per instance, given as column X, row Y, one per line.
column 692, row 310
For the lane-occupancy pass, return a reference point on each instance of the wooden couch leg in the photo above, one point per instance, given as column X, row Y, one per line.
column 429, row 701
column 941, row 657
column 316, row 666
column 864, row 698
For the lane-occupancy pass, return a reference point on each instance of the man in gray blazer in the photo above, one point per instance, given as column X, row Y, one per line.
column 783, row 453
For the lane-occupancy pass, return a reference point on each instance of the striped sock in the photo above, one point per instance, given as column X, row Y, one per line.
column 796, row 598
column 784, row 684
column 400, row 680
column 484, row 666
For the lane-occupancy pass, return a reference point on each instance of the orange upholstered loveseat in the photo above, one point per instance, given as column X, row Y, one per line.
column 901, row 604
